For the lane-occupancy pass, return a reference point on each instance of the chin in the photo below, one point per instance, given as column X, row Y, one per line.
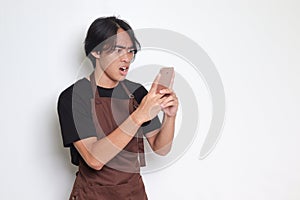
column 123, row 78
column 120, row 78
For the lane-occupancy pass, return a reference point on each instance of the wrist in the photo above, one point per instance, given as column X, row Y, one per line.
column 170, row 116
column 136, row 118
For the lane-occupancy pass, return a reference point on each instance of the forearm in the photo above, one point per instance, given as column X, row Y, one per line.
column 108, row 147
column 164, row 138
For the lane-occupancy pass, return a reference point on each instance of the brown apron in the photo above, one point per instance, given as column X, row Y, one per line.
column 120, row 178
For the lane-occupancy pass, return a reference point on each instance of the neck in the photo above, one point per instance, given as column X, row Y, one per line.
column 103, row 80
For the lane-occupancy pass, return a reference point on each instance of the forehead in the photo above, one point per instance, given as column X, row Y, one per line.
column 123, row 38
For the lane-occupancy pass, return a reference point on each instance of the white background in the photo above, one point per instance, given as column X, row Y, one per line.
column 255, row 46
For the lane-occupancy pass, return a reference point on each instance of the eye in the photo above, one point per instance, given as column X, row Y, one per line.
column 118, row 50
column 133, row 51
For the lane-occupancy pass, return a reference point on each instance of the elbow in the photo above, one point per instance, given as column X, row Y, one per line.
column 164, row 151
column 95, row 164
column 97, row 167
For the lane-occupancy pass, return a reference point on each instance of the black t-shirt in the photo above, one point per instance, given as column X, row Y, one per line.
column 74, row 111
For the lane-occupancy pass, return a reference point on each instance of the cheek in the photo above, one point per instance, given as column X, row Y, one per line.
column 109, row 62
column 105, row 64
column 111, row 68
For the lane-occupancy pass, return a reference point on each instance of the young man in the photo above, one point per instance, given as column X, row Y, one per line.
column 104, row 117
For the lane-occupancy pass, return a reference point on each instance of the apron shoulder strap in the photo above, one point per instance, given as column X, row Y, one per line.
column 130, row 95
column 93, row 85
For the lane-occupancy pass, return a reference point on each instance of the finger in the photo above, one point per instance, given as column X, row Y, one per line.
column 166, row 91
column 162, row 99
column 155, row 83
column 168, row 104
column 167, row 99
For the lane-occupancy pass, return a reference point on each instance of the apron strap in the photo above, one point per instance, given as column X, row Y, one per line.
column 130, row 95
column 140, row 139
column 139, row 136
column 93, row 85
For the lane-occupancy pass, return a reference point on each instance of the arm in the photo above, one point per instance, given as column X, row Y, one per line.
column 161, row 140
column 97, row 153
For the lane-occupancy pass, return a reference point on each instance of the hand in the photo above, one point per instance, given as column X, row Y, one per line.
column 169, row 104
column 150, row 105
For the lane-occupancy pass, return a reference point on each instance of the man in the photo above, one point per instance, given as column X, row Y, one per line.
column 104, row 117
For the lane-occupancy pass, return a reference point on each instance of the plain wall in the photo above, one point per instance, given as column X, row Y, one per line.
column 254, row 45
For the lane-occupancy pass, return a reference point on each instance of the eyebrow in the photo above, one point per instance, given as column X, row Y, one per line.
column 123, row 47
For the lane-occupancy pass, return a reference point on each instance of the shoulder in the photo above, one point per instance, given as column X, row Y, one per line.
column 137, row 89
column 80, row 88
column 130, row 84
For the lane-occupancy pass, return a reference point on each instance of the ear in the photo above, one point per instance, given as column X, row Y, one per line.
column 96, row 54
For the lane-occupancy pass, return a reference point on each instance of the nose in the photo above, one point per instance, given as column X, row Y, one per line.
column 127, row 57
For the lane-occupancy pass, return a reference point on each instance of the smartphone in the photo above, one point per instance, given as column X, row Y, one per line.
column 166, row 75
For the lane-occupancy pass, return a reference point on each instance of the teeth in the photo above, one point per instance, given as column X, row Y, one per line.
column 123, row 68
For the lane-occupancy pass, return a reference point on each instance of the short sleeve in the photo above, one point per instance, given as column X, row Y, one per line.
column 75, row 117
column 151, row 125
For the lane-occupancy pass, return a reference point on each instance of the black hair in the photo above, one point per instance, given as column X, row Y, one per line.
column 101, row 35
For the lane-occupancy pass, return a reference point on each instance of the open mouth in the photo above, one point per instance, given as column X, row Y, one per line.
column 123, row 70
